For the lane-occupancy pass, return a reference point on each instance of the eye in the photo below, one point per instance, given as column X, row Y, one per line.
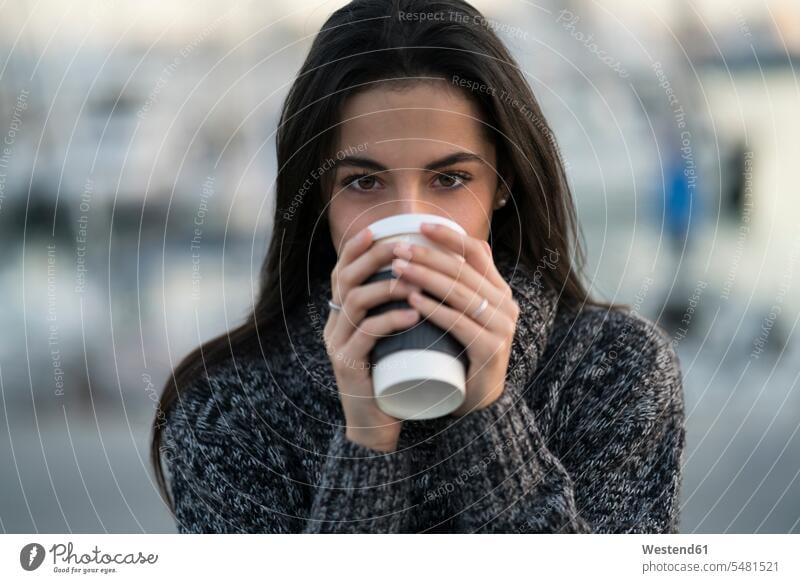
column 362, row 182
column 453, row 180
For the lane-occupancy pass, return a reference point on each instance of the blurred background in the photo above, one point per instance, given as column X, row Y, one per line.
column 125, row 125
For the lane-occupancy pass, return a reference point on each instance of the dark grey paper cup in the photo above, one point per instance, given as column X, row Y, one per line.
column 419, row 372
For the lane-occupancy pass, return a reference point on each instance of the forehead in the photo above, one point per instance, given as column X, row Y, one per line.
column 413, row 123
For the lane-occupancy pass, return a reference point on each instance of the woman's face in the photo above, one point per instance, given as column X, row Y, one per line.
column 418, row 149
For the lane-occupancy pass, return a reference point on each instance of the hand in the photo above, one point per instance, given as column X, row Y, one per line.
column 349, row 336
column 463, row 284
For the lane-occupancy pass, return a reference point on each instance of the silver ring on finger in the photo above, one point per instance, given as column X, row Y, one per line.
column 480, row 308
column 334, row 305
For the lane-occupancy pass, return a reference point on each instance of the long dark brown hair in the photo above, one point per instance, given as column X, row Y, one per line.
column 369, row 41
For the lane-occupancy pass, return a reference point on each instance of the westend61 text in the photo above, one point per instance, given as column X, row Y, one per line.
column 674, row 550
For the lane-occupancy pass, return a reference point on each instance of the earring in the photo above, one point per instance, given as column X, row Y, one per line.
column 501, row 202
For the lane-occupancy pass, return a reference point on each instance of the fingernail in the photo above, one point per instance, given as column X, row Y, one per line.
column 364, row 234
column 403, row 250
column 398, row 265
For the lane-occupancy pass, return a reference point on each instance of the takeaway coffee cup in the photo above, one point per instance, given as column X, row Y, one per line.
column 420, row 372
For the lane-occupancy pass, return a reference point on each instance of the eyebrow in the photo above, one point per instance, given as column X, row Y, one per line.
column 371, row 164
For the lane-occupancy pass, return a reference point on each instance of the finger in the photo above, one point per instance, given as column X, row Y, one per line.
column 350, row 249
column 446, row 263
column 472, row 249
column 355, row 246
column 476, row 339
column 362, row 298
column 348, row 276
column 456, row 294
column 363, row 339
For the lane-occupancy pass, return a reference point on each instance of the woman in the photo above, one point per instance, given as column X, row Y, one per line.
column 573, row 420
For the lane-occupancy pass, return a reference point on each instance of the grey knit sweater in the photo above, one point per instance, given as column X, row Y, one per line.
column 588, row 436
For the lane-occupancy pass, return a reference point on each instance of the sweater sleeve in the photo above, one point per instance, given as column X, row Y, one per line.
column 619, row 466
column 363, row 490
column 224, row 479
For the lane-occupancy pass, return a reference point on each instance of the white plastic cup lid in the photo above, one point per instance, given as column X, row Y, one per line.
column 409, row 223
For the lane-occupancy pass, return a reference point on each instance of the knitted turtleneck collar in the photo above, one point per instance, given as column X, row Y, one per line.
column 537, row 302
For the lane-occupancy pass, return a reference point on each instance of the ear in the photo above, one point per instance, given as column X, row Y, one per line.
column 504, row 187
column 503, row 190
